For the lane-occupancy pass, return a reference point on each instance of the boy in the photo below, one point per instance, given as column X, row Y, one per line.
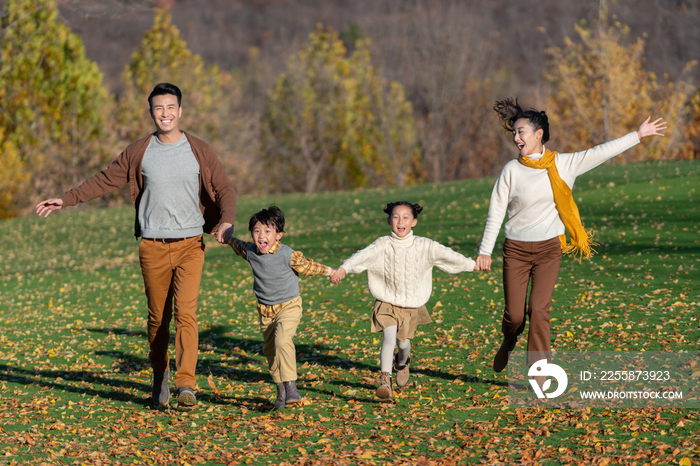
column 276, row 270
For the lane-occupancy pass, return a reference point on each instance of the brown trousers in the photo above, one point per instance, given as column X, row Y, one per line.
column 537, row 264
column 172, row 273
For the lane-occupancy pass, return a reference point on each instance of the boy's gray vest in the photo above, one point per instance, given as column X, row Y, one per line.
column 275, row 281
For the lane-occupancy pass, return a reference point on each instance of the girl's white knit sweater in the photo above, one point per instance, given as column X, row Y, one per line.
column 400, row 270
column 526, row 193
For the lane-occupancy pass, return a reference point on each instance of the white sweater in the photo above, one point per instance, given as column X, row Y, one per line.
column 526, row 194
column 400, row 270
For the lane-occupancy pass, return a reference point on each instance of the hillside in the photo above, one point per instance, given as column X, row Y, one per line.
column 76, row 381
column 223, row 31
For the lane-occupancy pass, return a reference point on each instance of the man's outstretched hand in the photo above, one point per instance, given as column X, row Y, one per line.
column 49, row 205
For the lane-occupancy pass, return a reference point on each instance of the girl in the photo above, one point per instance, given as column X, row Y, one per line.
column 535, row 189
column 399, row 276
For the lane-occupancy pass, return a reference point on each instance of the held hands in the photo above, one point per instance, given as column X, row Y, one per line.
column 483, row 262
column 223, row 233
column 651, row 128
column 337, row 275
column 49, row 205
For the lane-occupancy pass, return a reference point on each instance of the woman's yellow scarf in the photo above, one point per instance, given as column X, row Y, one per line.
column 581, row 240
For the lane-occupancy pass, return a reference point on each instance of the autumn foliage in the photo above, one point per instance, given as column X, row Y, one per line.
column 54, row 105
column 692, row 128
column 209, row 94
column 331, row 119
column 601, row 90
column 330, row 122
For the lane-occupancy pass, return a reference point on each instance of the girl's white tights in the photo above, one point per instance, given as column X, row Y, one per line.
column 386, row 356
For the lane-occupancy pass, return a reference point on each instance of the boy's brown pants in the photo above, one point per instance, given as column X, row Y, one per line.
column 172, row 273
column 535, row 263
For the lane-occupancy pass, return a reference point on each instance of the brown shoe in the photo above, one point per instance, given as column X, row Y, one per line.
column 501, row 360
column 402, row 373
column 384, row 391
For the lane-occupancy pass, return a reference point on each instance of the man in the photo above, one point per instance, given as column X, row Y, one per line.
column 180, row 190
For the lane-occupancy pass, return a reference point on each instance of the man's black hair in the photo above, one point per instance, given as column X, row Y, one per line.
column 164, row 89
column 272, row 217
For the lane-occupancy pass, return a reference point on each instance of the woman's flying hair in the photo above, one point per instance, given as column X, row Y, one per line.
column 509, row 112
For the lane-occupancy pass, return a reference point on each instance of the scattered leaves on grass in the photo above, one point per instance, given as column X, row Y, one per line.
column 75, row 379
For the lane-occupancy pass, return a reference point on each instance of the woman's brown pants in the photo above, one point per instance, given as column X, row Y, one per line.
column 535, row 263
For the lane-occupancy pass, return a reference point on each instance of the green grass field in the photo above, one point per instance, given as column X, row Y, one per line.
column 75, row 379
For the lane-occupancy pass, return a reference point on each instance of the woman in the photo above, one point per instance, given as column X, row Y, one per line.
column 535, row 189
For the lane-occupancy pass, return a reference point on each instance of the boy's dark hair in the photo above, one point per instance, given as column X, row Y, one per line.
column 272, row 217
column 415, row 208
column 164, row 89
column 509, row 112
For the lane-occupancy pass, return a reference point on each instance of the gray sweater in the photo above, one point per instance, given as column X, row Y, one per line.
column 169, row 206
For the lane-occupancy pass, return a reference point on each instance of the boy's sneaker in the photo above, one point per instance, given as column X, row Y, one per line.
column 186, row 399
column 402, row 373
column 280, row 402
column 292, row 396
column 161, row 392
column 384, row 391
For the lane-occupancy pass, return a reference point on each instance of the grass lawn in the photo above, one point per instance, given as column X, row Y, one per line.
column 75, row 378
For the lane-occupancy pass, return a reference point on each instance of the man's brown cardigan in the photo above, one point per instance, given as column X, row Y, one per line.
column 217, row 196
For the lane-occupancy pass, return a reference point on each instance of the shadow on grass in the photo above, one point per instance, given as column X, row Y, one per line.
column 114, row 387
column 245, row 351
column 61, row 380
column 110, row 387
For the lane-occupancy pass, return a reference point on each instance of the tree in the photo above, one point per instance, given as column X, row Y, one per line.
column 12, row 178
column 301, row 122
column 210, row 95
column 441, row 51
column 692, row 129
column 600, row 90
column 331, row 122
column 473, row 146
column 53, row 100
column 380, row 136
